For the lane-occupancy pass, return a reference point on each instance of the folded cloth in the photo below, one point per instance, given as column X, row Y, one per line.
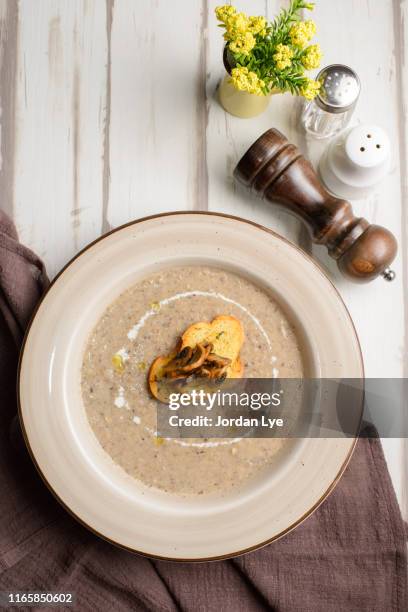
column 349, row 555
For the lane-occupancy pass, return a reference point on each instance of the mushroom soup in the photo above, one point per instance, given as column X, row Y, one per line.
column 145, row 321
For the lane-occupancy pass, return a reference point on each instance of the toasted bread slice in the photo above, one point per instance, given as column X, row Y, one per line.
column 226, row 335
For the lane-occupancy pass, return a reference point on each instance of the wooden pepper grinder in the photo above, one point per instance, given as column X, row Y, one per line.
column 274, row 169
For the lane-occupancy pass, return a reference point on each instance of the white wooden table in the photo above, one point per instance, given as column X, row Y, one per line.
column 109, row 113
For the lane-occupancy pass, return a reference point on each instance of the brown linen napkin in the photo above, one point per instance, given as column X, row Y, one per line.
column 349, row 555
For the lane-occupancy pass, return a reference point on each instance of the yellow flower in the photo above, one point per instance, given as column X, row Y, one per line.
column 239, row 78
column 312, row 57
column 310, row 28
column 223, row 13
column 240, row 31
column 311, row 89
column 301, row 32
column 257, row 26
column 283, row 56
column 246, row 80
column 236, row 24
column 243, row 43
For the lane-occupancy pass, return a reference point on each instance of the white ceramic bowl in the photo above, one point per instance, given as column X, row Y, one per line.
column 82, row 476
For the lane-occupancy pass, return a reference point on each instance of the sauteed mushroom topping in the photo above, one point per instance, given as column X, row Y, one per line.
column 200, row 354
column 181, row 359
column 207, row 350
column 200, row 362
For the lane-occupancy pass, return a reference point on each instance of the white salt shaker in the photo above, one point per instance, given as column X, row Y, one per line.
column 356, row 161
column 334, row 105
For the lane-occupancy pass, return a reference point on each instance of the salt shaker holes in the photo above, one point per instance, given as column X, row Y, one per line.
column 356, row 161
